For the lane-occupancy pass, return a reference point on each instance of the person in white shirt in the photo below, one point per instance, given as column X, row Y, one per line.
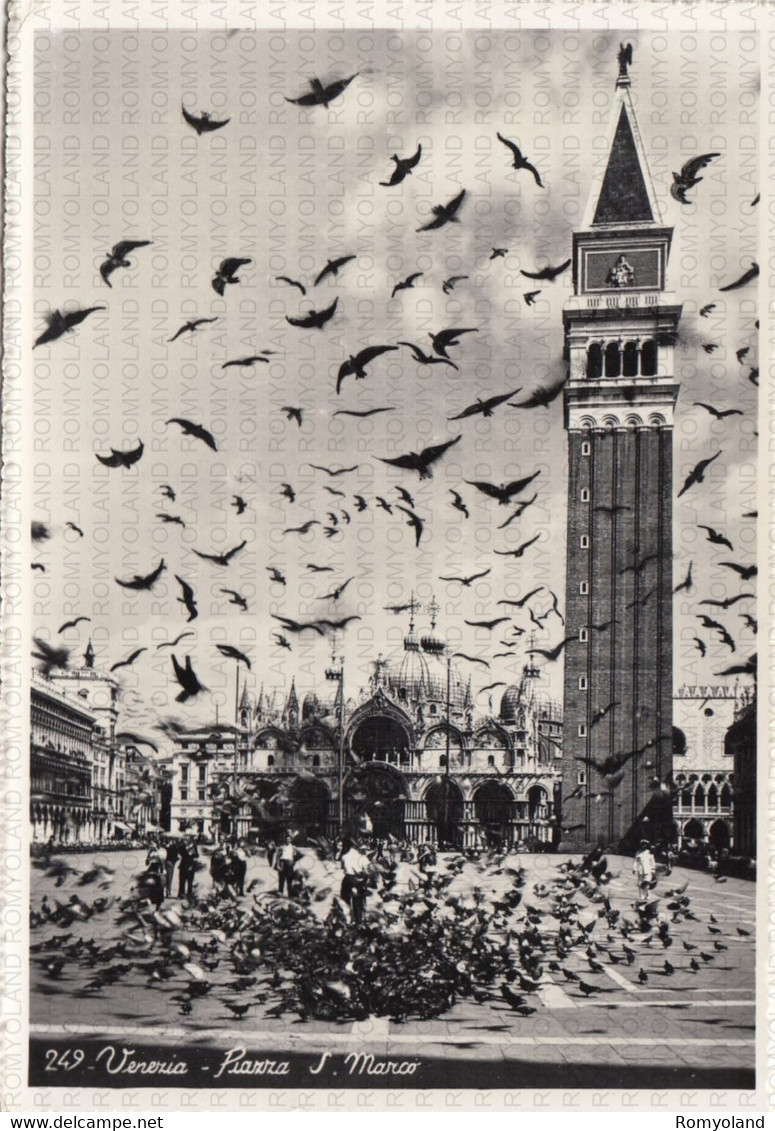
column 405, row 878
column 645, row 869
column 355, row 867
column 285, row 861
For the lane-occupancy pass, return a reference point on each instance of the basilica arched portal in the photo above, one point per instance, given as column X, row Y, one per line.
column 494, row 808
column 445, row 809
column 374, row 801
column 380, row 738
column 309, row 805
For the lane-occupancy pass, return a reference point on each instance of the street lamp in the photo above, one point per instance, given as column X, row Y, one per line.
column 446, row 785
column 336, row 675
column 235, row 825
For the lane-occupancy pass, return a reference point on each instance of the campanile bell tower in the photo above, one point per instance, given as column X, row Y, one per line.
column 620, row 328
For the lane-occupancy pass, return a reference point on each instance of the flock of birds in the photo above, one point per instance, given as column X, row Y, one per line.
column 342, row 505
column 469, row 927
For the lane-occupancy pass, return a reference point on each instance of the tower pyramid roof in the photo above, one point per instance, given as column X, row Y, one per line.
column 623, row 192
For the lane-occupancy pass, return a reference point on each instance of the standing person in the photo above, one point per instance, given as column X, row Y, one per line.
column 219, row 867
column 404, row 876
column 645, row 868
column 285, row 860
column 152, row 880
column 355, row 866
column 173, row 852
column 157, row 855
column 189, row 854
column 239, row 867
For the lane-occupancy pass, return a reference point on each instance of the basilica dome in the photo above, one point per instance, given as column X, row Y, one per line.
column 437, row 683
column 510, row 702
column 315, row 706
column 411, row 680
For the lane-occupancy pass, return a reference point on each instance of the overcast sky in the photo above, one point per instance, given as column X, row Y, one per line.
column 290, row 187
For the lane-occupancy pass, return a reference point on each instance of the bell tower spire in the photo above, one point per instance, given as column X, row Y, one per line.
column 620, row 327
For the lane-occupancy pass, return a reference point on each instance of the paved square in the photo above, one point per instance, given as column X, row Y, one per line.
column 678, row 1026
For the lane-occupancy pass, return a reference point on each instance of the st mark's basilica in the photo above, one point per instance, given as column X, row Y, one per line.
column 410, row 754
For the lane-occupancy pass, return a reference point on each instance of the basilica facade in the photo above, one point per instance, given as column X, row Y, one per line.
column 408, row 755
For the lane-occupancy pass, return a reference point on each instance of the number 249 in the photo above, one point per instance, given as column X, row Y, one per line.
column 66, row 1061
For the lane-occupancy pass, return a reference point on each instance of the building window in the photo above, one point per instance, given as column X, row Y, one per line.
column 201, row 795
column 648, row 358
column 584, row 543
column 184, row 793
column 582, row 730
column 490, row 759
column 202, row 768
column 581, row 777
column 586, row 448
column 584, row 588
column 595, row 361
column 631, row 359
column 184, row 772
column 315, row 759
column 582, row 683
column 270, row 759
column 585, row 494
column 583, row 635
column 613, row 360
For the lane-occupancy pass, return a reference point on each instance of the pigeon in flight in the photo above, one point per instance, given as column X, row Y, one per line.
column 122, row 458
column 188, row 599
column 195, row 430
column 188, row 680
column 191, row 327
column 222, row 559
column 204, row 123
column 548, row 273
column 445, row 338
column 332, row 268
column 404, row 166
column 746, row 277
column 485, row 408
column 688, row 178
column 520, row 162
column 421, row 461
column 356, row 363
column 697, row 474
column 227, row 273
column 58, row 323
column 138, row 581
column 321, row 95
column 316, row 319
column 118, row 257
column 444, row 213
column 506, row 491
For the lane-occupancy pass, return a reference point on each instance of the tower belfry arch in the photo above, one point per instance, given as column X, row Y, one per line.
column 620, row 327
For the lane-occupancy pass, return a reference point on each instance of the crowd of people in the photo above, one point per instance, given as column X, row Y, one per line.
column 367, row 865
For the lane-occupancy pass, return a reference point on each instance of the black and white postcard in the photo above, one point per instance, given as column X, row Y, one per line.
column 382, row 515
